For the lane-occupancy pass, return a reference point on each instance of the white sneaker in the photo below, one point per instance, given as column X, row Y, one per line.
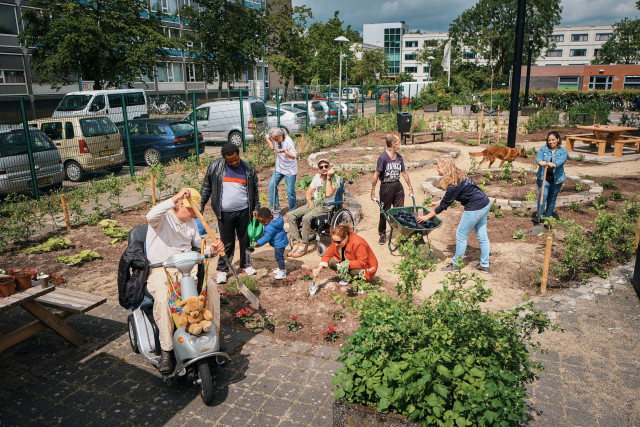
column 250, row 271
column 343, row 283
column 222, row 277
column 275, row 271
column 280, row 275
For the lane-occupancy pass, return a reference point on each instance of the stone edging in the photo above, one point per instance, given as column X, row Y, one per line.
column 594, row 191
column 313, row 158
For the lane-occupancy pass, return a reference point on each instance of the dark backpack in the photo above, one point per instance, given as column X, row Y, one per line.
column 133, row 270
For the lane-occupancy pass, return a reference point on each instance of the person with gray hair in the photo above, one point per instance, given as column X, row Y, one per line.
column 286, row 167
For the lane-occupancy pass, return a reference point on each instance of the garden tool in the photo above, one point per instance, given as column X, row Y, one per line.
column 539, row 226
column 255, row 232
column 313, row 287
column 241, row 287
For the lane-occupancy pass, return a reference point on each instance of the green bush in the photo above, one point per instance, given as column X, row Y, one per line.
column 583, row 113
column 445, row 362
column 562, row 99
column 545, row 119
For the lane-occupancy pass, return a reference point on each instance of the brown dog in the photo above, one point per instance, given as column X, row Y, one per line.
column 505, row 154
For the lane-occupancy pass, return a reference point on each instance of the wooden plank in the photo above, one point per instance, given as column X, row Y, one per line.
column 73, row 301
column 54, row 322
column 26, row 331
column 19, row 298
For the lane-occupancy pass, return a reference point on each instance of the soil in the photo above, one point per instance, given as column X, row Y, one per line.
column 514, row 262
column 519, row 185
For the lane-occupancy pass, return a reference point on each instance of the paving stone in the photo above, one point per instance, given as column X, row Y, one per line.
column 310, row 362
column 630, row 381
column 607, row 421
column 549, row 395
column 197, row 422
column 301, row 412
column 251, row 400
column 551, row 368
column 313, row 396
column 236, row 417
column 580, row 418
column 266, row 385
column 276, row 406
column 289, row 423
column 278, row 371
column 264, row 420
column 550, row 381
column 325, row 352
column 289, row 391
column 548, row 415
column 299, row 347
column 572, row 360
column 176, row 420
column 259, row 340
column 322, row 380
column 213, row 412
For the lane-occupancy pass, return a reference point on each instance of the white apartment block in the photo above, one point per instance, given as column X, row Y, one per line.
column 576, row 45
column 389, row 37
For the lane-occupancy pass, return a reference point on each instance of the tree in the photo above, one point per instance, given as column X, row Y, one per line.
column 110, row 42
column 623, row 46
column 288, row 51
column 488, row 28
column 227, row 38
column 364, row 70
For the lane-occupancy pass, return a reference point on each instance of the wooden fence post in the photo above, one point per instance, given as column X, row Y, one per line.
column 498, row 137
column 480, row 127
column 153, row 188
column 66, row 212
column 303, row 145
column 545, row 267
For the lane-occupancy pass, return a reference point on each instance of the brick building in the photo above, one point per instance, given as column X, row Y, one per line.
column 583, row 77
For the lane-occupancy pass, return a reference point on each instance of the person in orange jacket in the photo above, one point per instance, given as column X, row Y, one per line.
column 347, row 246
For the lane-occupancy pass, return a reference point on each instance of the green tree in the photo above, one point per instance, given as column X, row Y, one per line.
column 623, row 46
column 364, row 70
column 110, row 42
column 326, row 52
column 488, row 28
column 288, row 51
column 227, row 38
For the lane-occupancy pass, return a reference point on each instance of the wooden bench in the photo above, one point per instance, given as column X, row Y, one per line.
column 587, row 139
column 414, row 135
column 625, row 140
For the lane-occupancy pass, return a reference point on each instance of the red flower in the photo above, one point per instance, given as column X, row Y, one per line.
column 241, row 313
column 331, row 329
column 294, row 318
column 248, row 310
column 323, row 333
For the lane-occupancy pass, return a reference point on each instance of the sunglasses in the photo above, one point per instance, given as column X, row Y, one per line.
column 337, row 242
column 323, row 167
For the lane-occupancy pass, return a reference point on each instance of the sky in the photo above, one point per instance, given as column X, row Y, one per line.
column 436, row 15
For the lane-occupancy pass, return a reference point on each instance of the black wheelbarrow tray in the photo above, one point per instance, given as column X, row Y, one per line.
column 402, row 230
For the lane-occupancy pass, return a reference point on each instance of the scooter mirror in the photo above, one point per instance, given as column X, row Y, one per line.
column 184, row 261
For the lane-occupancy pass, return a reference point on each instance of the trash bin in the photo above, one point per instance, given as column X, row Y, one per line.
column 404, row 122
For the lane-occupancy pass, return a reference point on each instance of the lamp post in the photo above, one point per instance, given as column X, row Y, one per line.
column 340, row 40
column 526, row 85
column 429, row 59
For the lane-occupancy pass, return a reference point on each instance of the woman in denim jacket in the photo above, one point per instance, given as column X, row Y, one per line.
column 553, row 157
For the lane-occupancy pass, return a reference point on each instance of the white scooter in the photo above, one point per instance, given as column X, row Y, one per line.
column 195, row 355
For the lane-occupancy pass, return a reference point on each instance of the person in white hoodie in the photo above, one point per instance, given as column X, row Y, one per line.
column 286, row 167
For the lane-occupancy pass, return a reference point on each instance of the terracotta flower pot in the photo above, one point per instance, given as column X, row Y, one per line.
column 7, row 286
column 23, row 281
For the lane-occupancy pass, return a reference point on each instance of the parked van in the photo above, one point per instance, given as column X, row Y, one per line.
column 107, row 102
column 86, row 143
column 350, row 93
column 15, row 172
column 220, row 120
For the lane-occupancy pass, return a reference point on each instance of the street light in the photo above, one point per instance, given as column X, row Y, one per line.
column 340, row 40
column 429, row 59
column 526, row 85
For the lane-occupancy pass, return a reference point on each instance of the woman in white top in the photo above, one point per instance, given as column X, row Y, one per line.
column 286, row 167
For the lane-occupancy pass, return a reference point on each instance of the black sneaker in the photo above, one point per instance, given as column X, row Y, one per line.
column 451, row 267
column 477, row 266
column 383, row 239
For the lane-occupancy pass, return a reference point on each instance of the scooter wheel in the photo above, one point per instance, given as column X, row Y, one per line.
column 133, row 336
column 206, row 382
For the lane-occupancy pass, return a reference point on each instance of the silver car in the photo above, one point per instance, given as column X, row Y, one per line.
column 316, row 112
column 349, row 108
column 292, row 120
column 15, row 173
column 331, row 111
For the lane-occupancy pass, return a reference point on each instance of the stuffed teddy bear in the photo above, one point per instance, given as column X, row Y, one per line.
column 195, row 318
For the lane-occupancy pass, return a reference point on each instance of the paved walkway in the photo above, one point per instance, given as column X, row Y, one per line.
column 592, row 378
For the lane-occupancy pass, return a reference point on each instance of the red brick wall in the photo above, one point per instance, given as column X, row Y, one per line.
column 585, row 71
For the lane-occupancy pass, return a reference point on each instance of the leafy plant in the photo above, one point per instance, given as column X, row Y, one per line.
column 337, row 314
column 293, row 325
column 473, row 167
column 579, row 186
column 251, row 284
column 459, row 139
column 330, row 335
column 256, row 321
column 574, row 207
column 545, row 119
column 412, row 267
column 616, row 195
column 530, row 196
column 580, row 158
column 304, row 181
column 608, row 183
column 600, row 202
column 52, row 244
column 114, row 231
column 506, row 170
column 519, row 234
column 83, row 257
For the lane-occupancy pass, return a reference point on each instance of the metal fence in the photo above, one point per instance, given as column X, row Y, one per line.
column 77, row 137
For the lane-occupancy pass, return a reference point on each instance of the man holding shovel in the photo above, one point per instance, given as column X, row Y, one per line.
column 232, row 185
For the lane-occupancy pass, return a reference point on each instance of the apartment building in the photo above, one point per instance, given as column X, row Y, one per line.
column 583, row 77
column 177, row 74
column 575, row 45
column 389, row 37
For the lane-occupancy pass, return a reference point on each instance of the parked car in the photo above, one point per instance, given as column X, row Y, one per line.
column 157, row 140
column 104, row 102
column 393, row 98
column 350, row 93
column 220, row 120
column 292, row 120
column 331, row 111
column 316, row 112
column 15, row 172
column 314, row 96
column 86, row 143
column 349, row 110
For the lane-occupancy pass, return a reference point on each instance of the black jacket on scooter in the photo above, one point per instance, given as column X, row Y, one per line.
column 212, row 186
column 133, row 271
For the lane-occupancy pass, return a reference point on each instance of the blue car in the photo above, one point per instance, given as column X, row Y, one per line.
column 154, row 141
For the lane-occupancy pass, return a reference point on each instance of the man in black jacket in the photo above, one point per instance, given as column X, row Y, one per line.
column 232, row 185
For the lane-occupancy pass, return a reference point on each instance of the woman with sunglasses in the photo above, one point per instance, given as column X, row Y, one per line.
column 552, row 157
column 347, row 247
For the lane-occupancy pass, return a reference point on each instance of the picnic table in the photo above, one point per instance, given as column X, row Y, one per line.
column 35, row 300
column 605, row 136
column 416, row 134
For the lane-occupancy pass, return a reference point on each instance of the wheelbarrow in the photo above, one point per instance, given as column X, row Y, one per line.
column 403, row 230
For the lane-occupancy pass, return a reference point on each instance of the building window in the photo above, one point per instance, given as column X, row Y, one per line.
column 425, row 69
column 568, row 83
column 410, row 69
column 554, row 53
column 170, row 72
column 556, row 38
column 8, row 21
column 578, row 52
column 596, row 53
column 603, row 37
column 469, row 55
column 579, row 37
column 410, row 56
column 411, row 43
column 631, row 82
column 392, row 48
column 600, row 82
column 12, row 77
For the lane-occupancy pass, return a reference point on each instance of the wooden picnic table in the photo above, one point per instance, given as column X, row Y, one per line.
column 63, row 303
column 605, row 136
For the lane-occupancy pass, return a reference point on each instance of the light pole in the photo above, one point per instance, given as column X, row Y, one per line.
column 429, row 59
column 340, row 40
column 526, row 85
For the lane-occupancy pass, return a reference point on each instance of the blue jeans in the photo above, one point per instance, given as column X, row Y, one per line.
column 290, row 182
column 549, row 199
column 279, row 254
column 473, row 220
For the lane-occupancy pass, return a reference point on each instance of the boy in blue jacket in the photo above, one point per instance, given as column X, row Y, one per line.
column 275, row 235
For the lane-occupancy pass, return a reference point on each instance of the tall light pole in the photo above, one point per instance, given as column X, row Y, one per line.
column 526, row 85
column 430, row 58
column 340, row 40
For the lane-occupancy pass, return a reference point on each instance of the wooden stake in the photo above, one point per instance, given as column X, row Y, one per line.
column 153, row 188
column 340, row 132
column 594, row 117
column 360, row 126
column 635, row 245
column 303, row 145
column 545, row 267
column 375, row 123
column 498, row 137
column 480, row 127
column 66, row 213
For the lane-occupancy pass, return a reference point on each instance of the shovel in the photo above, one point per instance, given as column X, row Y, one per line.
column 313, row 287
column 539, row 226
column 241, row 287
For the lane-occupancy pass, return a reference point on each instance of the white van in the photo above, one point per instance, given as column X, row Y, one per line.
column 107, row 102
column 220, row 120
column 350, row 93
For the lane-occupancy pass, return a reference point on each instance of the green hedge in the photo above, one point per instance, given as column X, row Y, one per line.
column 558, row 100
